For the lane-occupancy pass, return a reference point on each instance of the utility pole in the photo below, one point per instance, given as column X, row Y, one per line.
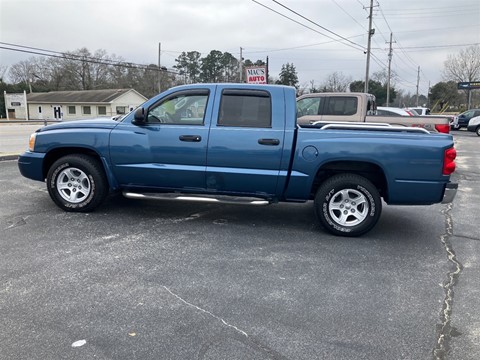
column 267, row 69
column 418, row 81
column 370, row 33
column 241, row 65
column 428, row 95
column 389, row 70
column 159, row 68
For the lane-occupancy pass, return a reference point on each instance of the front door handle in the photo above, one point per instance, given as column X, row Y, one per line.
column 272, row 142
column 190, row 138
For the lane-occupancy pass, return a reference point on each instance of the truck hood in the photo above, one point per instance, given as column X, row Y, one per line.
column 100, row 123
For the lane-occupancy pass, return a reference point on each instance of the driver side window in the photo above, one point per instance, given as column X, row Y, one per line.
column 184, row 108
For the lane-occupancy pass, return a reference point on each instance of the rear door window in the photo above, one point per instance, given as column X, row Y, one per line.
column 245, row 108
column 341, row 105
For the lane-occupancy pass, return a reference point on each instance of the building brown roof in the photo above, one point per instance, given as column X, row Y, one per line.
column 83, row 96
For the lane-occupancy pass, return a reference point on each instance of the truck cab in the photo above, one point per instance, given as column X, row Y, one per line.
column 332, row 107
column 319, row 109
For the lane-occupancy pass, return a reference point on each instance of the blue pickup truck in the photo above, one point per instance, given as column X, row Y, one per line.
column 241, row 143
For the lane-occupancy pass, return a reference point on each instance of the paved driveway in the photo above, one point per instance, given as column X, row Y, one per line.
column 164, row 280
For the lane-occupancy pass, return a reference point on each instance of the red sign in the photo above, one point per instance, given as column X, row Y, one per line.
column 256, row 75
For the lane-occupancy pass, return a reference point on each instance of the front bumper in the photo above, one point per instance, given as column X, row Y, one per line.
column 30, row 165
column 472, row 128
column 450, row 192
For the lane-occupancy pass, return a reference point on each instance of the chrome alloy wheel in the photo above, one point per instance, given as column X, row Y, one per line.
column 73, row 185
column 348, row 207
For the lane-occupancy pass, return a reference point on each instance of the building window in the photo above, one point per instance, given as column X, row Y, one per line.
column 102, row 110
column 121, row 110
column 71, row 110
column 87, row 110
column 39, row 109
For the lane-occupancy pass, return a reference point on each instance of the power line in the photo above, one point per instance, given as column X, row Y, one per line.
column 355, row 46
column 320, row 26
column 437, row 8
column 299, row 46
column 345, row 11
column 430, row 13
column 439, row 46
column 376, row 59
column 76, row 57
column 402, row 51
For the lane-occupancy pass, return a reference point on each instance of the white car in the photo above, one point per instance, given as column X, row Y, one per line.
column 393, row 111
column 422, row 111
column 474, row 125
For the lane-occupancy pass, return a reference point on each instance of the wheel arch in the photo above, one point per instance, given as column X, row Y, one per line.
column 371, row 171
column 57, row 153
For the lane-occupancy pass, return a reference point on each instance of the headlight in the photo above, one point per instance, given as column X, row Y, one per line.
column 31, row 142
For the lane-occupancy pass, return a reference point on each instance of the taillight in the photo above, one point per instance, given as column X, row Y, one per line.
column 448, row 161
column 443, row 128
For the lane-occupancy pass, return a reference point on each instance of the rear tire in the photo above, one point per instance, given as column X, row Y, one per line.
column 477, row 130
column 348, row 205
column 77, row 183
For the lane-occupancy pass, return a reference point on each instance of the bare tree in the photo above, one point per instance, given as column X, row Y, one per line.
column 336, row 82
column 21, row 72
column 464, row 66
column 87, row 71
column 382, row 77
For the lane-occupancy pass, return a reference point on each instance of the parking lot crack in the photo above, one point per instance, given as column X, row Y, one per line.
column 445, row 330
column 206, row 312
column 16, row 222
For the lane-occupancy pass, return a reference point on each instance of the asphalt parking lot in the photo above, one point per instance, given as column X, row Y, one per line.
column 168, row 280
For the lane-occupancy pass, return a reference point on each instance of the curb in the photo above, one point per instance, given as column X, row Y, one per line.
column 4, row 157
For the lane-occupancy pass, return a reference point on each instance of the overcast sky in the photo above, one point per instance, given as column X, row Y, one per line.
column 328, row 36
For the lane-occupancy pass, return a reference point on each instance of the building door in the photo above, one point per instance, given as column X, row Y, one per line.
column 11, row 114
column 57, row 112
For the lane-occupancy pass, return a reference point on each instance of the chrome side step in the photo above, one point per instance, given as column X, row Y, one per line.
column 219, row 199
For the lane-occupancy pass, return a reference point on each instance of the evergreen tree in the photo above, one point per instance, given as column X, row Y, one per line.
column 288, row 75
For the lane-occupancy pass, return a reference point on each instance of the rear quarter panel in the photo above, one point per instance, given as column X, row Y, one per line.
column 412, row 163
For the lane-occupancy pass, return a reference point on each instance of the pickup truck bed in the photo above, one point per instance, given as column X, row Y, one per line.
column 359, row 107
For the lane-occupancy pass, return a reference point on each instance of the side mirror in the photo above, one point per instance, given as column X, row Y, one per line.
column 139, row 116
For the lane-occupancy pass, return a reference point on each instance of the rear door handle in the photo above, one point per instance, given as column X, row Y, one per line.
column 190, row 138
column 272, row 142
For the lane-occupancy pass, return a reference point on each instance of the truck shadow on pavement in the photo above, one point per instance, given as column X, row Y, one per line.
column 395, row 222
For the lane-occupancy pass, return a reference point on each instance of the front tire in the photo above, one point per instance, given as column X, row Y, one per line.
column 348, row 205
column 77, row 183
column 477, row 130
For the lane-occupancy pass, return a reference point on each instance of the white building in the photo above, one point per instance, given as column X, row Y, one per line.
column 75, row 105
column 15, row 105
